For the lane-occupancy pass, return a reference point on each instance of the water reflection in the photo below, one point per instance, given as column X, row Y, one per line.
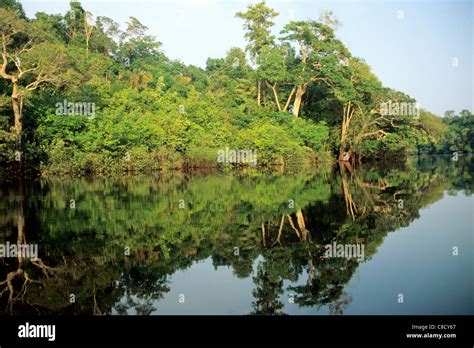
column 114, row 246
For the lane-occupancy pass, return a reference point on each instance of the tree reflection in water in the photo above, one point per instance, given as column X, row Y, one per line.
column 82, row 248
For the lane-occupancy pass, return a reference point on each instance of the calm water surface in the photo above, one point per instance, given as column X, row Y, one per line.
column 244, row 243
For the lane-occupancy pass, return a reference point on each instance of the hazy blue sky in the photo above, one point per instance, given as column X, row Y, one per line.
column 412, row 46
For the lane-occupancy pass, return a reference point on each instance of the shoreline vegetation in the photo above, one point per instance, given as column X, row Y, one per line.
column 81, row 97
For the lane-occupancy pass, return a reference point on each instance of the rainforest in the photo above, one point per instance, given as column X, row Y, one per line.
column 83, row 97
column 149, row 186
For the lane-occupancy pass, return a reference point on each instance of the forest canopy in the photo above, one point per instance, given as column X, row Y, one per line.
column 79, row 95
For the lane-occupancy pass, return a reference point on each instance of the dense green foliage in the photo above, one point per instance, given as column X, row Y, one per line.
column 302, row 98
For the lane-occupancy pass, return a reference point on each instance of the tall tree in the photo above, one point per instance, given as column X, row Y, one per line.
column 88, row 27
column 75, row 19
column 107, row 30
column 258, row 21
column 28, row 63
column 135, row 43
column 357, row 92
column 321, row 56
column 272, row 70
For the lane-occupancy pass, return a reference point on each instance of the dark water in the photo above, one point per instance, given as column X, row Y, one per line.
column 244, row 243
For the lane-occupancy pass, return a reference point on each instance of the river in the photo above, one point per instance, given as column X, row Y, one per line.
column 244, row 242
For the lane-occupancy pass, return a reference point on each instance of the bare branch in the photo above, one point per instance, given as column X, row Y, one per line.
column 39, row 80
column 25, row 47
column 3, row 70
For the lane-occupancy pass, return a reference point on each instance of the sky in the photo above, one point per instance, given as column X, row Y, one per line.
column 421, row 47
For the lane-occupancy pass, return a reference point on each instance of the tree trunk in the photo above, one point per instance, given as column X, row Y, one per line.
column 350, row 156
column 301, row 224
column 275, row 93
column 351, row 207
column 17, row 112
column 88, row 30
column 342, row 149
column 21, row 214
column 300, row 91
column 346, row 119
column 289, row 99
column 290, row 220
